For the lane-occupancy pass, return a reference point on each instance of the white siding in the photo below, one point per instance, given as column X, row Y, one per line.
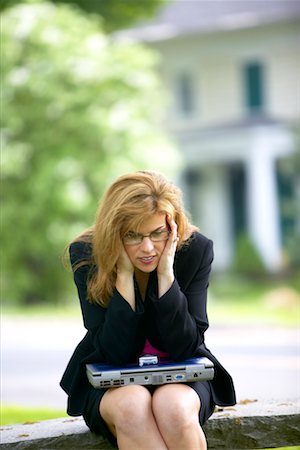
column 216, row 61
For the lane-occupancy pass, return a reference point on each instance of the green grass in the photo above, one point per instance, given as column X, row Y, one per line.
column 60, row 310
column 232, row 299
column 267, row 301
column 18, row 414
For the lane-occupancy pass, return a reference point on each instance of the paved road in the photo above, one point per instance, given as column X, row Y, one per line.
column 264, row 361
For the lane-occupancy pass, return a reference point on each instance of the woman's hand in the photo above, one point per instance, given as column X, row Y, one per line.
column 165, row 270
column 124, row 281
column 124, row 265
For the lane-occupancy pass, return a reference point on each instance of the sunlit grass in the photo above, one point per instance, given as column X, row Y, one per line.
column 251, row 313
column 71, row 310
column 232, row 299
column 284, row 448
column 265, row 301
column 20, row 414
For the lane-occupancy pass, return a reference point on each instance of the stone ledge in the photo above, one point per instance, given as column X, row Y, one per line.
column 246, row 426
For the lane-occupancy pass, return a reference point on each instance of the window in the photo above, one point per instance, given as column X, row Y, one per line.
column 185, row 94
column 254, row 87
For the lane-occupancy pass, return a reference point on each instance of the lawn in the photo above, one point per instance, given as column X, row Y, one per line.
column 18, row 414
column 232, row 299
column 267, row 301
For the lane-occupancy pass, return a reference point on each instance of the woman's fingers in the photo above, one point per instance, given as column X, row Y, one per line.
column 173, row 238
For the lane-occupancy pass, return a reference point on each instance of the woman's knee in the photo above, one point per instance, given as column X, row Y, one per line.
column 176, row 407
column 126, row 407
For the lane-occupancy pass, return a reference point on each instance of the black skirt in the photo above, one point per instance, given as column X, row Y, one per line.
column 97, row 425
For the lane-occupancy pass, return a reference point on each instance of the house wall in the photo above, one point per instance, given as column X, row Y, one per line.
column 284, row 84
column 215, row 134
column 215, row 62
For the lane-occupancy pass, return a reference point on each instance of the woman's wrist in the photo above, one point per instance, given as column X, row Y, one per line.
column 164, row 283
column 125, row 286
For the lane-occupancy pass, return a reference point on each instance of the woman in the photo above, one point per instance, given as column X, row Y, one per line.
column 142, row 275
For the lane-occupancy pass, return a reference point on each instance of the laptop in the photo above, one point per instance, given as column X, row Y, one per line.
column 105, row 376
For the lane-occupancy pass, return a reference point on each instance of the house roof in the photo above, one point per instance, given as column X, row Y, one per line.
column 187, row 17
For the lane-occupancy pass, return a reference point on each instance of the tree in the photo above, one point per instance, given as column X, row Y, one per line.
column 116, row 14
column 79, row 110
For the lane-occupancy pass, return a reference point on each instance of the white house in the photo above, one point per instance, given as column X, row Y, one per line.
column 232, row 71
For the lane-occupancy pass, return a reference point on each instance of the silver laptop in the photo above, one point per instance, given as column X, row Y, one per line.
column 195, row 369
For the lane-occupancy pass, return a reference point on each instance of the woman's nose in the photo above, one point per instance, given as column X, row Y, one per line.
column 147, row 244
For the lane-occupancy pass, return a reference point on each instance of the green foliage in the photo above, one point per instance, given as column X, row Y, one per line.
column 115, row 14
column 292, row 248
column 247, row 259
column 79, row 110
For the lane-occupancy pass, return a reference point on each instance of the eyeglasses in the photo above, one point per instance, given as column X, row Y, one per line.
column 132, row 238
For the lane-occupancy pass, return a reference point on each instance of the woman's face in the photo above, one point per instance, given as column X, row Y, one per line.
column 145, row 255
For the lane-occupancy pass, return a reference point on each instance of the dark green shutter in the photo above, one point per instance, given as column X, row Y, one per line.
column 254, row 87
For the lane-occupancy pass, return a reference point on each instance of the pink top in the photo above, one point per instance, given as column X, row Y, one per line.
column 149, row 349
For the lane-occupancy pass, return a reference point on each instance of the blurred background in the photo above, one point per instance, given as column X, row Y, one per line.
column 206, row 92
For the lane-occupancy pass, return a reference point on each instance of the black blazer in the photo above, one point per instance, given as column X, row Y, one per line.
column 174, row 323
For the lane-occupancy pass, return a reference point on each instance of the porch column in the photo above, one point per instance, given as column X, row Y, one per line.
column 211, row 208
column 262, row 202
